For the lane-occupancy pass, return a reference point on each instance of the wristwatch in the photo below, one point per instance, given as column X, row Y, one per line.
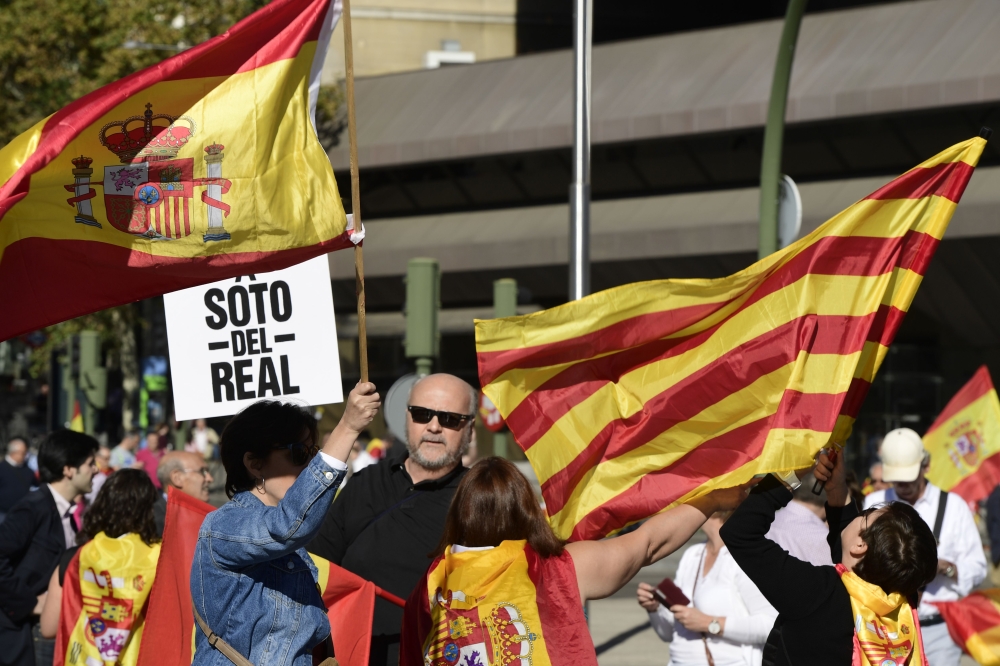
column 950, row 571
column 714, row 627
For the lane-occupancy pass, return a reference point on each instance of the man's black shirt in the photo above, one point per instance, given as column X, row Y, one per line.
column 383, row 527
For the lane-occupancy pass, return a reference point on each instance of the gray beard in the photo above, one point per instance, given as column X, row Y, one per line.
column 446, row 460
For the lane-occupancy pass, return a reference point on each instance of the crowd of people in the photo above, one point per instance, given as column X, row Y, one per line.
column 785, row 575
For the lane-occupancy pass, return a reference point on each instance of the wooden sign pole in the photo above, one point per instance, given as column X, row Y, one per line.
column 352, row 133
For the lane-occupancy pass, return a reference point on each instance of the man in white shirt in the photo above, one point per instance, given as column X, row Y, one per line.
column 961, row 562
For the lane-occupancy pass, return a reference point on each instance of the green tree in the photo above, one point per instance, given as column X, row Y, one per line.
column 55, row 51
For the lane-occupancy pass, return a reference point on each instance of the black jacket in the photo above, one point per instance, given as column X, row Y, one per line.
column 815, row 624
column 383, row 527
column 31, row 541
column 15, row 483
column 993, row 524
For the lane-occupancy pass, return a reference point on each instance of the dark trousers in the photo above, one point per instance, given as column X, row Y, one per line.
column 44, row 647
column 16, row 645
column 385, row 650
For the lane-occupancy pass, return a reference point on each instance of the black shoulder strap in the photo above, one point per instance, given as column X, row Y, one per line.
column 939, row 520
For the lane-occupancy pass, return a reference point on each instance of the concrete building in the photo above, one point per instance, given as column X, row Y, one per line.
column 471, row 165
column 407, row 35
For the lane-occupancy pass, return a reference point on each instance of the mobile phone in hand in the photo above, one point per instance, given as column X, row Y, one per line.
column 668, row 594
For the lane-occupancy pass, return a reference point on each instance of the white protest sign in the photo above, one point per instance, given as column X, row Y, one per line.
column 267, row 335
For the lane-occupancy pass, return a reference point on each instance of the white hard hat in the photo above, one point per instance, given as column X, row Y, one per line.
column 902, row 454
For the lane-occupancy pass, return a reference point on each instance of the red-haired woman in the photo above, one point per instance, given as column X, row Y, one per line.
column 504, row 587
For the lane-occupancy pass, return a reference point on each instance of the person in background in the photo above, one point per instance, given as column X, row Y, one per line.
column 203, row 440
column 252, row 582
column 151, row 455
column 185, row 471
column 874, row 481
column 123, row 455
column 728, row 618
column 800, row 527
column 36, row 532
column 887, row 556
column 103, row 461
column 499, row 561
column 387, row 520
column 118, row 540
column 961, row 564
column 993, row 530
column 16, row 478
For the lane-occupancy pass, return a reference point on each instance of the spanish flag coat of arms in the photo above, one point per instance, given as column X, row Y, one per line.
column 202, row 167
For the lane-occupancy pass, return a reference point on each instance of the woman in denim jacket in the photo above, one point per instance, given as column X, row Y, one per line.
column 252, row 581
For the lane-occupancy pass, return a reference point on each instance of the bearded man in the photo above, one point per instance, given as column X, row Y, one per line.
column 388, row 520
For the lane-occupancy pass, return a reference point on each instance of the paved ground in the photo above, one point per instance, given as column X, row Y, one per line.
column 621, row 630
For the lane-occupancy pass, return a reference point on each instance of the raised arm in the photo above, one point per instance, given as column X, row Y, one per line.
column 604, row 567
column 294, row 522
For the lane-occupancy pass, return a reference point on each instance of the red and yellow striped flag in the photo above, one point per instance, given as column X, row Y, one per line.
column 636, row 398
column 974, row 623
column 202, row 167
column 964, row 441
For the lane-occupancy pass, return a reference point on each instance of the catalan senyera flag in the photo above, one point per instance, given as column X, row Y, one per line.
column 974, row 623
column 964, row 441
column 633, row 399
column 202, row 167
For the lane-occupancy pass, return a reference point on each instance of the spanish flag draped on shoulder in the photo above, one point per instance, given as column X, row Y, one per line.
column 639, row 397
column 202, row 167
column 964, row 441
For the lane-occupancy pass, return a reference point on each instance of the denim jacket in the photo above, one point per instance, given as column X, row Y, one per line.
column 252, row 580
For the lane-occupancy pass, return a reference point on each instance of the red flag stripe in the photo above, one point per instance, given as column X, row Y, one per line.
column 709, row 460
column 978, row 615
column 251, row 43
column 832, row 255
column 946, row 180
column 980, row 384
column 980, row 484
column 556, row 397
column 141, row 275
column 702, row 389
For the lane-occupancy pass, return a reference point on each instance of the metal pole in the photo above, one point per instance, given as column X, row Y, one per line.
column 504, row 305
column 579, row 189
column 352, row 133
column 770, row 163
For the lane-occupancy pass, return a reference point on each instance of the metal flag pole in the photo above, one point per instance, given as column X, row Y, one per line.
column 352, row 133
column 579, row 189
column 770, row 162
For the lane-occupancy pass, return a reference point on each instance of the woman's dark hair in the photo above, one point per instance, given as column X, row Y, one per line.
column 257, row 430
column 63, row 448
column 494, row 503
column 902, row 551
column 124, row 505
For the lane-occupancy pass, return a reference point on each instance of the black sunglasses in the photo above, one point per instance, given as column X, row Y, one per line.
column 301, row 452
column 449, row 420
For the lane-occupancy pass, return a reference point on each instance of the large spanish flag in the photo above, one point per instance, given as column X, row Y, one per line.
column 202, row 167
column 636, row 398
column 974, row 623
column 964, row 441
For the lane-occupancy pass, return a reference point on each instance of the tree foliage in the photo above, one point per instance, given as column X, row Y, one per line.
column 55, row 51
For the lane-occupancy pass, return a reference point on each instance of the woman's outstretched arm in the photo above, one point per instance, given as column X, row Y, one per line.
column 604, row 567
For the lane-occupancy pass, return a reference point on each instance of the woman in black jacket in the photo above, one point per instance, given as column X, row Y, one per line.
column 858, row 612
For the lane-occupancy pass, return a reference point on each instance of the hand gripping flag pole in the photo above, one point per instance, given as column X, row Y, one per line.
column 352, row 133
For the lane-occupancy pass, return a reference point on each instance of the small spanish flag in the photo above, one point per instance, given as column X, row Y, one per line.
column 964, row 441
column 202, row 167
column 639, row 397
column 974, row 623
